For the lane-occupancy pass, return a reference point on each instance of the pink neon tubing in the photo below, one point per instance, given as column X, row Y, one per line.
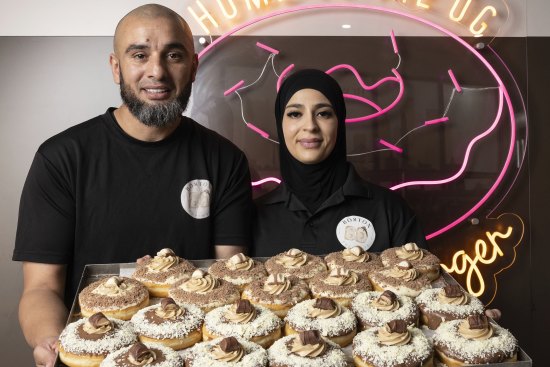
column 264, row 180
column 258, row 130
column 267, row 48
column 433, row 25
column 391, row 146
column 436, row 121
column 233, row 88
column 394, row 42
column 455, row 82
column 283, row 75
column 364, row 100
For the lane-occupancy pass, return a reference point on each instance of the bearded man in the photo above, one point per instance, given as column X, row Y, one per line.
column 126, row 183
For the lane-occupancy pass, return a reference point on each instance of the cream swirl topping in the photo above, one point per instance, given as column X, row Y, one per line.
column 164, row 260
column 387, row 301
column 394, row 333
column 340, row 276
column 476, row 328
column 168, row 309
column 293, row 258
column 319, row 313
column 308, row 346
column 97, row 324
column 409, row 251
column 200, row 282
column 403, row 270
column 239, row 314
column 277, row 284
column 355, row 254
column 461, row 299
column 113, row 287
column 229, row 350
column 239, row 262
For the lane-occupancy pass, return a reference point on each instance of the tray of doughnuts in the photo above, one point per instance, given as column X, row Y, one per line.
column 351, row 308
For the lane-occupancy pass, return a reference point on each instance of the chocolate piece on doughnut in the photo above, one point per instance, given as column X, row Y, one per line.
column 244, row 306
column 229, row 344
column 397, row 326
column 388, row 297
column 139, row 353
column 324, row 303
column 310, row 337
column 478, row 322
column 453, row 291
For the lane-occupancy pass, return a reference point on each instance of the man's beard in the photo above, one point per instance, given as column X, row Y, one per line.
column 157, row 115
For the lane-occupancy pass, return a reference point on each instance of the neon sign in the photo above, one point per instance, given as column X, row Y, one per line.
column 212, row 15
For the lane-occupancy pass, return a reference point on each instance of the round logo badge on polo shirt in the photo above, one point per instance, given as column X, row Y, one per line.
column 355, row 231
column 195, row 198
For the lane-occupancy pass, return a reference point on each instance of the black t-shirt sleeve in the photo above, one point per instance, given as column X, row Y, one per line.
column 45, row 230
column 232, row 216
column 407, row 228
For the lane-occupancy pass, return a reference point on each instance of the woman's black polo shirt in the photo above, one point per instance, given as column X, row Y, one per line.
column 364, row 214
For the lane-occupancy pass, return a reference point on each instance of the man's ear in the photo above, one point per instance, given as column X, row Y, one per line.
column 195, row 67
column 115, row 67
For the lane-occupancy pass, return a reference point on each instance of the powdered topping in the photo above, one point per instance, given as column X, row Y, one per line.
column 121, row 335
column 452, row 295
column 324, row 308
column 394, row 332
column 500, row 346
column 430, row 302
column 277, row 284
column 97, row 324
column 293, row 258
column 409, row 251
column 308, row 344
column 241, row 312
column 113, row 286
column 147, row 322
column 140, row 355
column 340, row 276
column 200, row 282
column 239, row 262
column 299, row 319
column 165, row 259
column 370, row 316
column 228, row 350
column 168, row 309
column 201, row 356
column 386, row 302
column 164, row 357
column 415, row 353
column 404, row 271
column 476, row 327
column 264, row 322
column 281, row 355
column 355, row 254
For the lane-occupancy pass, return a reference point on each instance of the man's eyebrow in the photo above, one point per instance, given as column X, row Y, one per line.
column 169, row 46
column 136, row 46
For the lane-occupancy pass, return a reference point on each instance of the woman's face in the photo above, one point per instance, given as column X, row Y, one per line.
column 309, row 126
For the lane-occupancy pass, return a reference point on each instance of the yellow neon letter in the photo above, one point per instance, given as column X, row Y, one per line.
column 422, row 5
column 479, row 31
column 224, row 11
column 257, row 3
column 205, row 15
column 452, row 15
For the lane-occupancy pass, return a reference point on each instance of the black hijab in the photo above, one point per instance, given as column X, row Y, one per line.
column 313, row 183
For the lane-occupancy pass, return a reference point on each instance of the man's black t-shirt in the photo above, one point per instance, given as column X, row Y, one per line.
column 96, row 195
column 358, row 214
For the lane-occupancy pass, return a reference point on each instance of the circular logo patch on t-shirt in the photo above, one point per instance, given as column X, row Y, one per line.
column 355, row 231
column 195, row 198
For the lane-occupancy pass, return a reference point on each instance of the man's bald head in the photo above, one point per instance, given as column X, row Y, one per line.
column 150, row 12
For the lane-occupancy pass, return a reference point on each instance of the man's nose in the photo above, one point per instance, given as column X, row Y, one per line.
column 156, row 67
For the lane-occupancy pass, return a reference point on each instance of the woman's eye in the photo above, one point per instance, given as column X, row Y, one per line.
column 325, row 114
column 293, row 114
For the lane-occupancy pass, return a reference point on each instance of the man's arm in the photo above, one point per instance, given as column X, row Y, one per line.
column 42, row 313
column 226, row 251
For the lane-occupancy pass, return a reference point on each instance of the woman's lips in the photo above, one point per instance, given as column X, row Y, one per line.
column 310, row 143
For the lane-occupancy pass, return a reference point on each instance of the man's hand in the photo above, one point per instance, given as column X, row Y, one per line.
column 226, row 251
column 141, row 260
column 45, row 352
column 493, row 313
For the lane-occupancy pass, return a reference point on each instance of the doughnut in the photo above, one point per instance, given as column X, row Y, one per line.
column 339, row 284
column 239, row 270
column 401, row 279
column 226, row 352
column 375, row 309
column 422, row 260
column 296, row 262
column 143, row 354
column 355, row 259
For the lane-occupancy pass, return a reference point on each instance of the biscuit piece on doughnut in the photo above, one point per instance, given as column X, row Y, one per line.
column 117, row 297
column 422, row 260
column 86, row 342
column 143, row 354
column 169, row 324
column 226, row 352
column 296, row 262
column 355, row 259
column 239, row 270
column 244, row 320
column 375, row 309
column 159, row 273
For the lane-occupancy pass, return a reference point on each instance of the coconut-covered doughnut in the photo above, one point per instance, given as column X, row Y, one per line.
column 226, row 352
column 422, row 260
column 355, row 259
column 402, row 279
column 375, row 309
column 340, row 284
column 239, row 270
column 143, row 354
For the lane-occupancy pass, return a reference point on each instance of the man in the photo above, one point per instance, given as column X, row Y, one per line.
column 130, row 182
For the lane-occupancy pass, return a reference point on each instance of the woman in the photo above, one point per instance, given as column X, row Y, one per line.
column 323, row 205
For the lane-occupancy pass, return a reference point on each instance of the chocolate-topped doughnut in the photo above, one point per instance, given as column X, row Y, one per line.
column 205, row 291
column 422, row 260
column 333, row 321
column 474, row 340
column 245, row 320
column 226, row 352
column 239, row 270
column 278, row 293
column 355, row 259
column 392, row 345
column 159, row 273
column 118, row 297
column 169, row 324
column 308, row 348
column 375, row 309
column 340, row 284
column 439, row 305
column 88, row 341
column 143, row 354
column 296, row 262
column 402, row 279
